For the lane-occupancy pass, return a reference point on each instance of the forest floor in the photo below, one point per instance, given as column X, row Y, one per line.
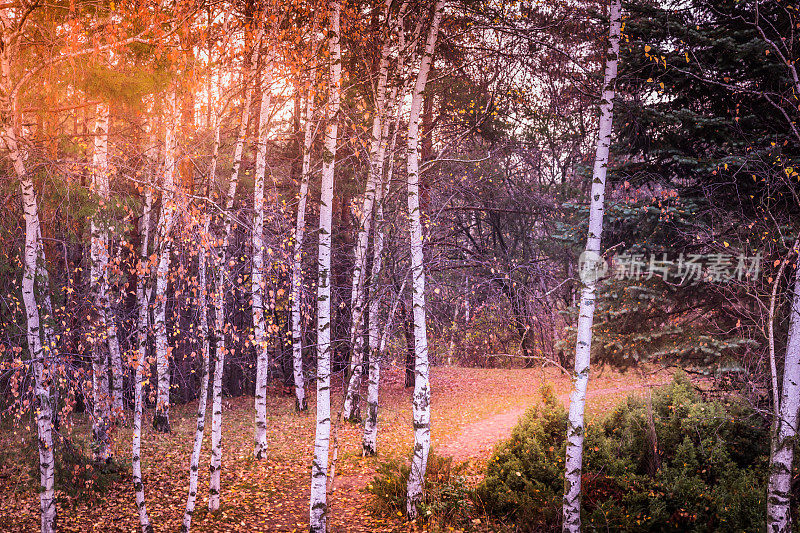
column 472, row 410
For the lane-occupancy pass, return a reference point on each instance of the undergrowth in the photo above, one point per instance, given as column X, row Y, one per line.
column 447, row 496
column 78, row 478
column 672, row 464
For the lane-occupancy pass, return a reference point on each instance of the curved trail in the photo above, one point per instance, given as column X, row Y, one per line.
column 479, row 438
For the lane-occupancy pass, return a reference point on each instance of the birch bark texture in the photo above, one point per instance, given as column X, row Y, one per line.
column 140, row 375
column 352, row 403
column 369, row 441
column 318, row 506
column 422, row 392
column 220, row 285
column 257, row 274
column 33, row 257
column 297, row 253
column 166, row 222
column 781, row 461
column 98, row 271
column 202, row 303
column 107, row 339
column 115, row 358
column 571, row 510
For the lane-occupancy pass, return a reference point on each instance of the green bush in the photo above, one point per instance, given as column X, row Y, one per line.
column 525, row 474
column 447, row 497
column 677, row 464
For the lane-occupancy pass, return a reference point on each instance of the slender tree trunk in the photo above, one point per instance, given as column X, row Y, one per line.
column 369, row 443
column 422, row 392
column 98, row 283
column 467, row 306
column 259, row 320
column 33, row 260
column 219, row 289
column 165, row 223
column 50, row 346
column 352, row 402
column 408, row 333
column 779, row 487
column 202, row 268
column 591, row 258
column 194, row 466
column 318, row 508
column 773, row 369
column 117, row 372
column 219, row 358
column 297, row 257
column 141, row 375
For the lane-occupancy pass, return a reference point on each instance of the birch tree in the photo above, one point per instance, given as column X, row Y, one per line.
column 101, row 408
column 299, row 235
column 140, row 373
column 259, row 320
column 787, row 405
column 33, row 257
column 165, row 224
column 591, row 261
column 33, row 263
column 352, row 410
column 369, row 443
column 219, row 286
column 318, row 506
column 784, row 431
column 205, row 363
column 422, row 392
column 115, row 358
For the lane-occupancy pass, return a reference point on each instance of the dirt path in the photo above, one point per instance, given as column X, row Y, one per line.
column 479, row 438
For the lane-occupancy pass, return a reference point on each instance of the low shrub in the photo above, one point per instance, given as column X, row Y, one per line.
column 676, row 463
column 524, row 476
column 447, row 496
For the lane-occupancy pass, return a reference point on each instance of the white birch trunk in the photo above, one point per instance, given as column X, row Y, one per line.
column 779, row 487
column 141, row 375
column 369, row 442
column 591, row 256
column 318, row 507
column 165, row 223
column 115, row 357
column 33, row 259
column 422, row 392
column 202, row 303
column 49, row 347
column 259, row 322
column 377, row 346
column 352, row 402
column 114, row 351
column 219, row 290
column 297, row 257
column 98, row 283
